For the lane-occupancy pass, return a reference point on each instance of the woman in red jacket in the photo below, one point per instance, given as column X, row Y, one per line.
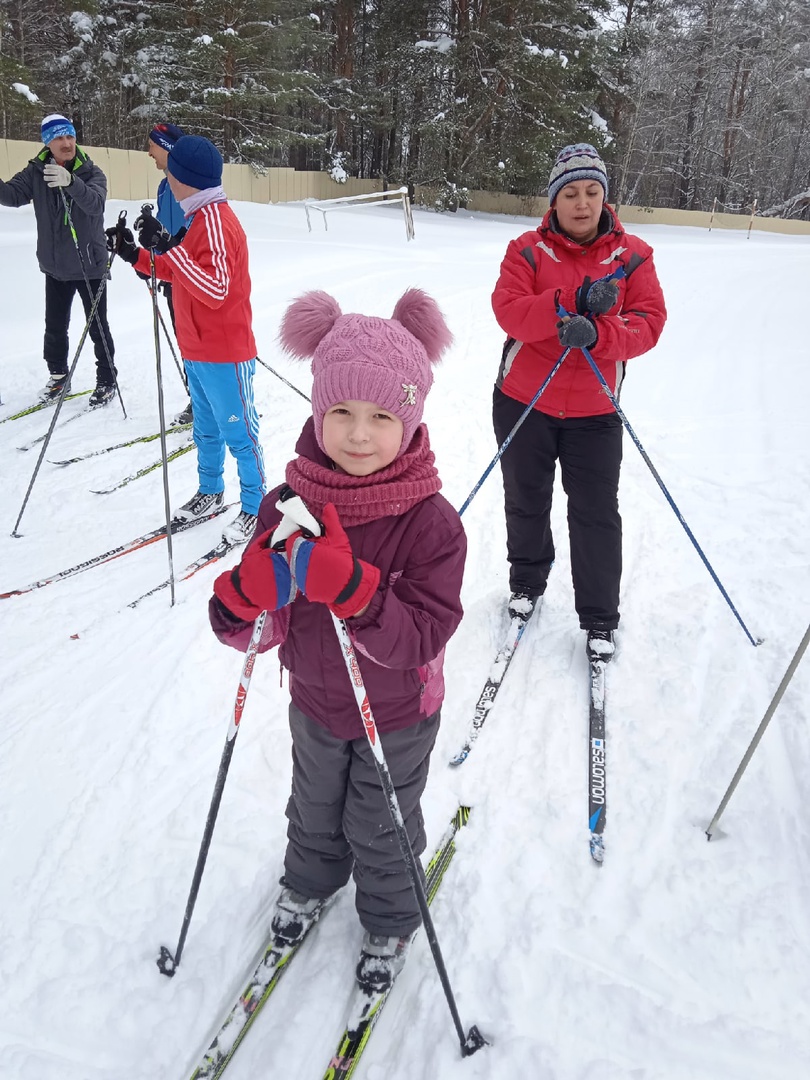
column 559, row 268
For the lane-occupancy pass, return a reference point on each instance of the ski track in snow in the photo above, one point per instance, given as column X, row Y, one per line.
column 678, row 959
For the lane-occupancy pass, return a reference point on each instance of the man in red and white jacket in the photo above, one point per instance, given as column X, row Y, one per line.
column 208, row 270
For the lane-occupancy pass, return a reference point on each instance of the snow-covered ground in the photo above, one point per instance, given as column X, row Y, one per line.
column 677, row 960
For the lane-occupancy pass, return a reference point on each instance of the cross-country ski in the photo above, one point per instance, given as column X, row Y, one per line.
column 177, row 526
column 40, row 405
column 122, row 445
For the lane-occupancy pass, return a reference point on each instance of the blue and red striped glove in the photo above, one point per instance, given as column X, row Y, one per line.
column 326, row 571
column 261, row 582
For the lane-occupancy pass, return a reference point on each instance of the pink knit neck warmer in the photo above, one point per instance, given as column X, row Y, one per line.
column 360, row 499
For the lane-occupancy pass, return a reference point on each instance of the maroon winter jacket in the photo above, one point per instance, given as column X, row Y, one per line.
column 399, row 639
column 544, row 267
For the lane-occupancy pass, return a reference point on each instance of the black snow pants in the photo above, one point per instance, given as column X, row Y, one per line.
column 589, row 449
column 58, row 302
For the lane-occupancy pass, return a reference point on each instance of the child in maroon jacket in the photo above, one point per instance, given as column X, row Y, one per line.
column 390, row 562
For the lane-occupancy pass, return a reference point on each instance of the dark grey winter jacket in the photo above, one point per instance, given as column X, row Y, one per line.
column 56, row 250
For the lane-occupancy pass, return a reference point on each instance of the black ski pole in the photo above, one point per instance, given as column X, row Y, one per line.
column 122, row 217
column 166, row 962
column 295, row 510
column 286, row 381
column 62, row 396
column 766, row 719
column 162, row 420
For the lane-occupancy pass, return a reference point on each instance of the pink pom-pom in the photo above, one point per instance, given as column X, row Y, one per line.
column 421, row 316
column 306, row 323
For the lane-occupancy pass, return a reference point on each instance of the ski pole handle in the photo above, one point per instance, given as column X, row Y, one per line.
column 296, row 517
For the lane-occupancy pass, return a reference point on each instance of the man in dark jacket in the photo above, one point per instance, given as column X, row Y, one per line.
column 60, row 169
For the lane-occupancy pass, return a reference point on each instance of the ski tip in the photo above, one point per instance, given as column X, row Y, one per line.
column 459, row 759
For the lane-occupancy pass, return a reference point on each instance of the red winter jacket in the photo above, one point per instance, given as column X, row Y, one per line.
column 542, row 268
column 210, row 287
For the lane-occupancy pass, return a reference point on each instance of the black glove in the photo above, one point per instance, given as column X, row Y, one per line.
column 151, row 234
column 122, row 242
column 576, row 332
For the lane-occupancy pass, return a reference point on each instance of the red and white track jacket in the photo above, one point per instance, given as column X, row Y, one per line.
column 210, row 287
column 542, row 268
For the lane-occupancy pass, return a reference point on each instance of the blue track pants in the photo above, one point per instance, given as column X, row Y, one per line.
column 224, row 415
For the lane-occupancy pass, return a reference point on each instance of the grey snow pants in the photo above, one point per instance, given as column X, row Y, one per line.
column 339, row 820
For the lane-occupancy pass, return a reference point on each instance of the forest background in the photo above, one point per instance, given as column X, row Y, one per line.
column 690, row 101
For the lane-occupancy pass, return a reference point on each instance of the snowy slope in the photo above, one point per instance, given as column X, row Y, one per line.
column 678, row 959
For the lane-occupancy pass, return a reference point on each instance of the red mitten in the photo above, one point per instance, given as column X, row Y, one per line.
column 261, row 582
column 326, row 571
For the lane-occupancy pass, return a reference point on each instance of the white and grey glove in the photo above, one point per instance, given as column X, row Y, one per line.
column 57, row 175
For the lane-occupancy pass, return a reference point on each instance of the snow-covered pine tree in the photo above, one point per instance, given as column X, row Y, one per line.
column 240, row 73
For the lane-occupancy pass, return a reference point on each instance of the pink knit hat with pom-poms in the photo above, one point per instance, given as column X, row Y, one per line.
column 365, row 358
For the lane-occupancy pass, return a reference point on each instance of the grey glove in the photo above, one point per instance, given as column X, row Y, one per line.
column 576, row 332
column 57, row 176
column 601, row 296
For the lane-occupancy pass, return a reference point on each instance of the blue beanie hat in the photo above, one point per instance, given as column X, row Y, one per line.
column 55, row 125
column 166, row 135
column 579, row 161
column 195, row 161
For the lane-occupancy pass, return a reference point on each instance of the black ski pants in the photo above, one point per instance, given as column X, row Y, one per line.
column 589, row 449
column 58, row 302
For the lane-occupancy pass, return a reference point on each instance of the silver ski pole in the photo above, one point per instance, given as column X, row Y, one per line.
column 146, row 212
column 162, row 419
column 749, row 753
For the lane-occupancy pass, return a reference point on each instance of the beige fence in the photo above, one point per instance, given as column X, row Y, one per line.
column 498, row 202
column 131, row 175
